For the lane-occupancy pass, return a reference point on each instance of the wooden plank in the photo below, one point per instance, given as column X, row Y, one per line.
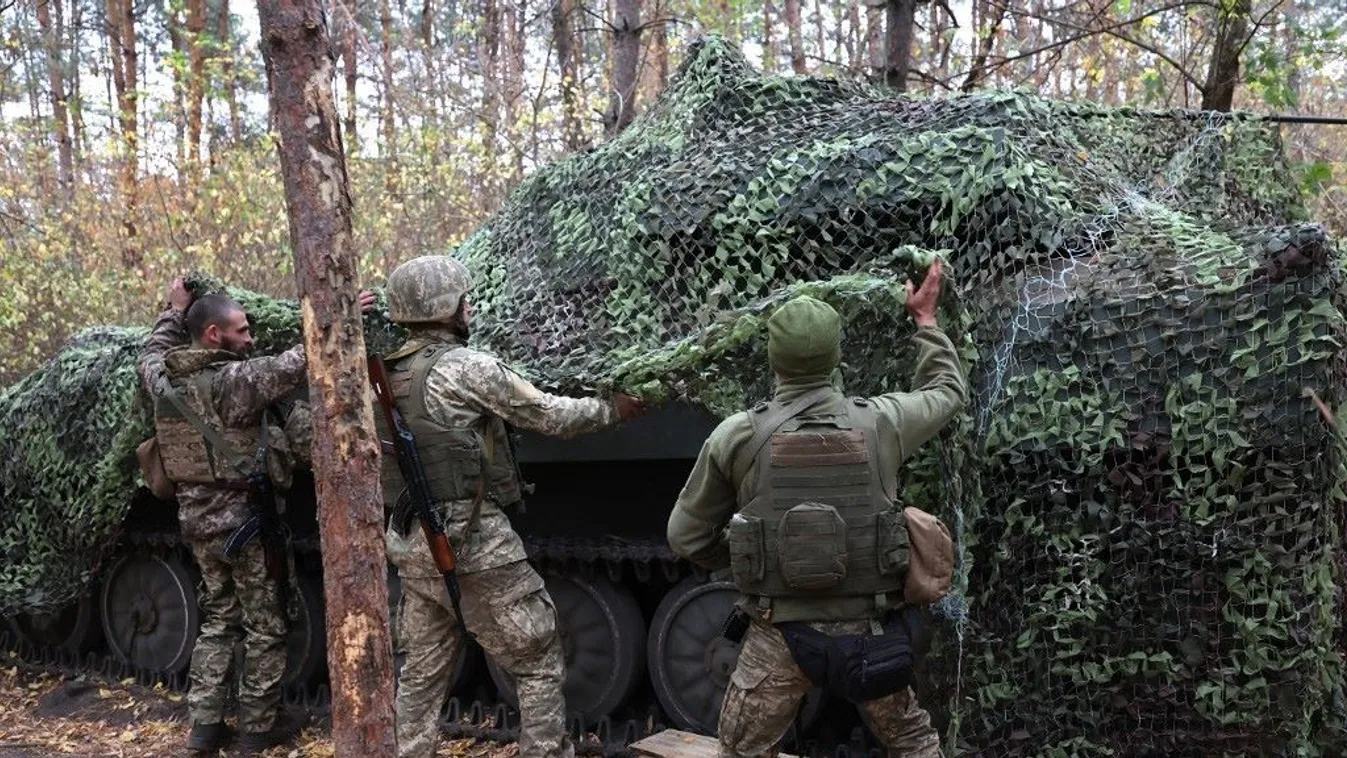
column 673, row 743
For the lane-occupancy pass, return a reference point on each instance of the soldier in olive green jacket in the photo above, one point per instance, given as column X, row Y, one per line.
column 804, row 347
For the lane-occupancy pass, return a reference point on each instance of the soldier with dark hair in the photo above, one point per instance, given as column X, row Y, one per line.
column 457, row 401
column 798, row 499
column 211, row 409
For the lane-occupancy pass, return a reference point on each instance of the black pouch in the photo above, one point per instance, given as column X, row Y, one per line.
column 860, row 667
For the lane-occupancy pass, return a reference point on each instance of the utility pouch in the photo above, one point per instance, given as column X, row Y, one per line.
column 812, row 544
column 860, row 667
column 736, row 626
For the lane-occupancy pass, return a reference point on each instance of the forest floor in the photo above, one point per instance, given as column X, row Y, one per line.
column 44, row 715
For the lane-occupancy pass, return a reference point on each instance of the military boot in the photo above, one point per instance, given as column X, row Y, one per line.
column 206, row 738
column 288, row 724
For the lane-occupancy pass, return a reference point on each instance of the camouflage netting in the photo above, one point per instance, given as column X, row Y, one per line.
column 1144, row 493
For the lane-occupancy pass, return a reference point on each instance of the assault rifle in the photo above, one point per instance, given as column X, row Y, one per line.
column 418, row 487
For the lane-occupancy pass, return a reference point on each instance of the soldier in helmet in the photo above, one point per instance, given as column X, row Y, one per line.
column 458, row 401
column 196, row 366
column 798, row 499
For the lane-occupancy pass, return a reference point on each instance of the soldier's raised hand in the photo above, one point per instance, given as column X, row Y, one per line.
column 366, row 301
column 179, row 297
column 921, row 302
column 628, row 407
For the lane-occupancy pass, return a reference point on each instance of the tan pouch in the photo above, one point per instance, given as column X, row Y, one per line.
column 152, row 468
column 930, row 566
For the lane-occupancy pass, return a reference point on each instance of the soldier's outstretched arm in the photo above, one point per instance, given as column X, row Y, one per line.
column 941, row 388
column 170, row 330
column 706, row 504
column 244, row 389
column 489, row 386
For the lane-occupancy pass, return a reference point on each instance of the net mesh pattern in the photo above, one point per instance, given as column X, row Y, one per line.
column 1145, row 495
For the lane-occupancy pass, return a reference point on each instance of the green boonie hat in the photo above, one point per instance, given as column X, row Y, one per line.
column 804, row 337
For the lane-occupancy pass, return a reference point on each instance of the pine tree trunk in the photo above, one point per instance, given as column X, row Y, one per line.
column 196, row 84
column 900, row 17
column 626, row 57
column 874, row 38
column 125, row 77
column 488, row 54
column 74, row 43
column 769, row 43
column 512, row 26
column 52, row 33
column 1232, row 31
column 300, row 70
column 796, row 37
column 348, row 39
column 563, row 38
column 227, row 72
column 390, row 134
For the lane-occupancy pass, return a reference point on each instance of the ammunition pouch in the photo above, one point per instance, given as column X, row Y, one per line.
column 861, row 667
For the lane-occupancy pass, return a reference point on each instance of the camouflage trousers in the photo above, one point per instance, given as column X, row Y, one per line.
column 512, row 617
column 766, row 690
column 237, row 600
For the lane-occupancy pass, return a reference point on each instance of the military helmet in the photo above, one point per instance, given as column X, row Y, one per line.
column 427, row 289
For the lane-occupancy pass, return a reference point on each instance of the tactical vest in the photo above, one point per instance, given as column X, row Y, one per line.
column 188, row 457
column 461, row 463
column 822, row 538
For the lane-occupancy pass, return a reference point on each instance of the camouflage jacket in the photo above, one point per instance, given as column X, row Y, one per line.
column 712, row 494
column 242, row 391
column 465, row 388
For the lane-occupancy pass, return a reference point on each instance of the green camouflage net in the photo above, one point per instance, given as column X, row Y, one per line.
column 1144, row 495
column 1143, row 490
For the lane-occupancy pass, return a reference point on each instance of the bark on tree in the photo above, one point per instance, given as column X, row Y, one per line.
column 900, row 16
column 854, row 43
column 177, row 40
column 1232, row 32
column 488, row 57
column 390, row 134
column 874, row 37
column 626, row 31
column 300, row 70
column 348, row 39
column 77, row 131
column 52, row 32
column 795, row 36
column 226, row 37
column 512, row 26
column 563, row 38
column 769, row 44
column 978, row 71
column 196, row 84
column 125, row 76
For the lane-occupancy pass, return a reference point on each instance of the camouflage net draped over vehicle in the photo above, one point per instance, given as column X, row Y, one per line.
column 1143, row 491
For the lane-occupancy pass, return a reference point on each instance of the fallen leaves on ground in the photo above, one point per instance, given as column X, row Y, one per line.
column 43, row 715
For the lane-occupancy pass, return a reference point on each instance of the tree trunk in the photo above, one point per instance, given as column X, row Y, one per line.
column 795, row 36
column 488, row 56
column 900, row 16
column 75, row 100
column 655, row 58
column 854, row 44
column 300, row 70
column 227, row 72
column 196, row 84
column 563, row 38
column 874, row 37
column 626, row 58
column 125, row 76
column 348, row 39
column 177, row 40
column 977, row 72
column 769, row 45
column 512, row 26
column 52, row 34
column 1232, row 32
column 390, row 135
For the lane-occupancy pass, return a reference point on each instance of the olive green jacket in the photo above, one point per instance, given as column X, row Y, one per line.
column 711, row 496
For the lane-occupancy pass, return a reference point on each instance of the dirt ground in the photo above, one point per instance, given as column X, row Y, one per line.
column 46, row 716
